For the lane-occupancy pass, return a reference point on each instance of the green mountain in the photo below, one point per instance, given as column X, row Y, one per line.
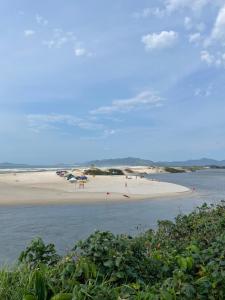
column 128, row 161
column 7, row 165
column 133, row 161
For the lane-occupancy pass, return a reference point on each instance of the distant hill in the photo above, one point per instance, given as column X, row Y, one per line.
column 7, row 165
column 195, row 162
column 132, row 161
column 128, row 161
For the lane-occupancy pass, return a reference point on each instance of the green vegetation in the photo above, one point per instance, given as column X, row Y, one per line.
column 194, row 168
column 184, row 259
column 128, row 170
column 216, row 167
column 115, row 172
column 174, row 170
column 96, row 171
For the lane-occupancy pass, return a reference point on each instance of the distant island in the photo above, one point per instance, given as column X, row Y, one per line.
column 8, row 165
column 127, row 161
column 132, row 161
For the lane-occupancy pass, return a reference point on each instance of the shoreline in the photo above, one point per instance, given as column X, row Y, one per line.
column 99, row 199
column 46, row 188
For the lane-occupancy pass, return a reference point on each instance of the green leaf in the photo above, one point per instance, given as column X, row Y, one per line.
column 108, row 263
column 29, row 297
column 63, row 296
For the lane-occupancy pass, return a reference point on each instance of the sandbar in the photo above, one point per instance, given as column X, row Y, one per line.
column 39, row 188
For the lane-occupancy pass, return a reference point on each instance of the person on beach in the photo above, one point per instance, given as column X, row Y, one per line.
column 81, row 185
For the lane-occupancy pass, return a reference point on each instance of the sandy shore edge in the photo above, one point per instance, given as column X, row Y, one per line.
column 46, row 188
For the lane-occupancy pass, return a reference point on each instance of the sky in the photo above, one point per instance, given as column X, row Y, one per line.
column 94, row 79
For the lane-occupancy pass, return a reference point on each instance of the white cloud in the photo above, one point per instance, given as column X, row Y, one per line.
column 218, row 32
column 201, row 26
column 196, row 5
column 60, row 38
column 171, row 6
column 102, row 135
column 145, row 99
column 150, row 11
column 40, row 20
column 207, row 57
column 61, row 41
column 38, row 122
column 199, row 92
column 29, row 32
column 188, row 23
column 216, row 60
column 164, row 39
column 80, row 51
column 50, row 43
column 195, row 38
column 108, row 132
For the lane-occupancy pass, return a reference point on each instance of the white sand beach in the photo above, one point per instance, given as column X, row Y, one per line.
column 48, row 188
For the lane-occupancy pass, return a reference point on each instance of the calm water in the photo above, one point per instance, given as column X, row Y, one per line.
column 63, row 225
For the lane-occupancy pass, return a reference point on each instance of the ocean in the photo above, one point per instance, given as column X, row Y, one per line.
column 66, row 224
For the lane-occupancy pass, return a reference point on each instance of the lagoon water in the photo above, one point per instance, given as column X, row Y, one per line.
column 65, row 224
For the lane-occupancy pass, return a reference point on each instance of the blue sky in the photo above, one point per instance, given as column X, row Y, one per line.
column 94, row 79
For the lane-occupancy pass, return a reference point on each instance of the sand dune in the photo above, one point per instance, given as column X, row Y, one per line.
column 47, row 187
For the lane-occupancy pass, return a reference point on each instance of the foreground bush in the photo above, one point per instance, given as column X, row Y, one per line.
column 184, row 259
